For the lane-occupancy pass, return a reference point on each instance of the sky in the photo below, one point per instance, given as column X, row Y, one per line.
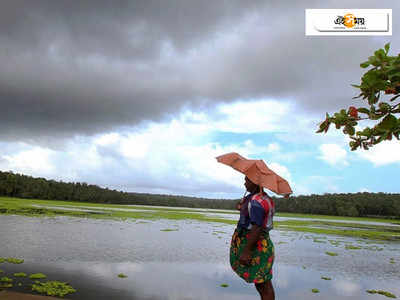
column 141, row 96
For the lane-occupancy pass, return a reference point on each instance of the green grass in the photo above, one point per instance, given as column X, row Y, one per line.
column 37, row 276
column 351, row 247
column 329, row 225
column 13, row 260
column 326, row 278
column 381, row 292
column 327, row 217
column 53, row 288
column 6, row 279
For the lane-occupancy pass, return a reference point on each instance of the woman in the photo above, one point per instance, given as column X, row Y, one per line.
column 252, row 251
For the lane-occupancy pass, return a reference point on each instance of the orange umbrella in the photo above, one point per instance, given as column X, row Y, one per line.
column 257, row 171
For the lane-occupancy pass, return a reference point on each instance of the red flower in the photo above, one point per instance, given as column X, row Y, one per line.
column 246, row 275
column 270, row 259
column 390, row 91
column 353, row 112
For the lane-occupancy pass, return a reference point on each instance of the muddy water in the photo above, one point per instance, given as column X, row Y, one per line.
column 189, row 260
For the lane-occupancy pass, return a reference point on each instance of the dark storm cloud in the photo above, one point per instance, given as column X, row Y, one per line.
column 83, row 67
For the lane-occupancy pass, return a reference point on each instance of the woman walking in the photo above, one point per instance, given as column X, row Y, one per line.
column 252, row 251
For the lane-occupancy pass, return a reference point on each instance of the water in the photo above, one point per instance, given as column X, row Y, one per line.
column 189, row 262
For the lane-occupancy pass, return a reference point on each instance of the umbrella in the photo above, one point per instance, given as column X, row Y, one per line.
column 257, row 171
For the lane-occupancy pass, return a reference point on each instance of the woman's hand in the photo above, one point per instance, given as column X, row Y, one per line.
column 245, row 258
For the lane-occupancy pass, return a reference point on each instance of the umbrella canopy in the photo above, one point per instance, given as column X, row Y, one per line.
column 257, row 171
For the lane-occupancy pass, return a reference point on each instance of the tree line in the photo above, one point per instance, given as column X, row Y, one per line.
column 351, row 204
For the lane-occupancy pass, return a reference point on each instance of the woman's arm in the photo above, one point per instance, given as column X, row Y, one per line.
column 254, row 236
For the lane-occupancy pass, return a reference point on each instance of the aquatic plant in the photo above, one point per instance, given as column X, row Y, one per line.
column 5, row 285
column 331, row 253
column 326, row 278
column 53, row 288
column 6, row 279
column 380, row 292
column 2, row 259
column 169, row 229
column 318, row 241
column 21, row 274
column 1, row 271
column 351, row 247
column 315, row 290
column 224, row 285
column 37, row 276
column 13, row 260
column 122, row 275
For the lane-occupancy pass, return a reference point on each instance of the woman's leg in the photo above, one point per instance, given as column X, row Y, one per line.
column 266, row 290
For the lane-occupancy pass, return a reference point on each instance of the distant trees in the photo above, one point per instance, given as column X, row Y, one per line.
column 352, row 205
column 355, row 205
column 22, row 186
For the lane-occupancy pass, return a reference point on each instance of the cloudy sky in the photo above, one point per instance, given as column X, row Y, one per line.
column 143, row 95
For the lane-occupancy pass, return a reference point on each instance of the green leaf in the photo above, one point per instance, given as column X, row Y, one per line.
column 387, row 47
column 380, row 54
column 363, row 110
column 364, row 65
column 373, row 61
column 350, row 129
column 388, row 123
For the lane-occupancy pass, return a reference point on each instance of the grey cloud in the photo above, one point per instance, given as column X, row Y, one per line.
column 84, row 67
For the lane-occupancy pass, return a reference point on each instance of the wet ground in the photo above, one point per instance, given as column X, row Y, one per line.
column 188, row 259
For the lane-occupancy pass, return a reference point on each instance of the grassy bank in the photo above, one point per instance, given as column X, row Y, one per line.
column 311, row 223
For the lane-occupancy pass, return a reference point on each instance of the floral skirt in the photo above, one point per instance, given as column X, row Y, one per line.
column 262, row 258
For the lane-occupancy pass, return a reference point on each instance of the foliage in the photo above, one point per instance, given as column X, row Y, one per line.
column 326, row 278
column 13, row 260
column 22, row 186
column 351, row 205
column 315, row 290
column 20, row 274
column 382, row 79
column 37, row 276
column 344, row 204
column 53, row 288
column 381, row 292
column 122, row 275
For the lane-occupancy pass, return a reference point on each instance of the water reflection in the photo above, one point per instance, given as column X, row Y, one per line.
column 190, row 263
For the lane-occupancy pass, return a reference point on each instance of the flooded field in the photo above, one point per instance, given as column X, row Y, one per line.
column 188, row 258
